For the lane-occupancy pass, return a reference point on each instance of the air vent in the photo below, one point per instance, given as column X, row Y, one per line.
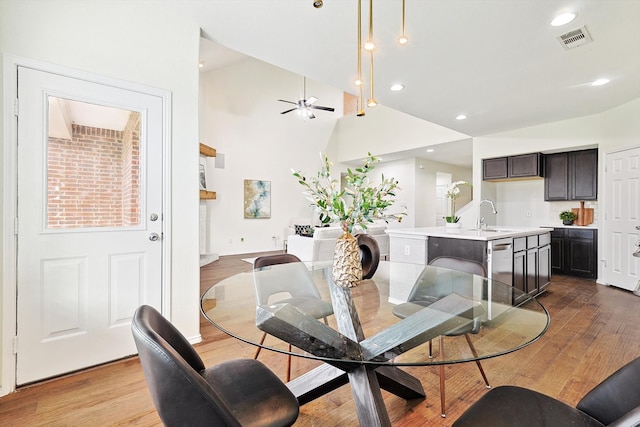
column 575, row 38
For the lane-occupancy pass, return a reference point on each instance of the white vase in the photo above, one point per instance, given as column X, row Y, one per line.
column 453, row 225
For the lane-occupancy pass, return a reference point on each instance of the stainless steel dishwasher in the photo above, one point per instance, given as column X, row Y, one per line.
column 500, row 260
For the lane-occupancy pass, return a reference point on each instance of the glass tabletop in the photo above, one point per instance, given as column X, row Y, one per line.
column 390, row 319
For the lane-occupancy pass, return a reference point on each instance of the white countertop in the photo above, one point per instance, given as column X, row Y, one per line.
column 490, row 233
column 590, row 226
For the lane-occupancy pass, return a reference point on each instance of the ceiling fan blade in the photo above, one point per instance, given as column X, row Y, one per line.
column 320, row 107
column 288, row 111
column 288, row 102
column 310, row 101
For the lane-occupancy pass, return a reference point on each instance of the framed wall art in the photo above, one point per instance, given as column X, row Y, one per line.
column 257, row 198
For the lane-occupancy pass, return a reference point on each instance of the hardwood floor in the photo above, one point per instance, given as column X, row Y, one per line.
column 594, row 330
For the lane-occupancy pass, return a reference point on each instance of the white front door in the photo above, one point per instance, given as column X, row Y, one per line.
column 622, row 216
column 89, row 220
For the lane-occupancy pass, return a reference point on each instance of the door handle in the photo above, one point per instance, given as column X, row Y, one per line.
column 502, row 247
column 153, row 237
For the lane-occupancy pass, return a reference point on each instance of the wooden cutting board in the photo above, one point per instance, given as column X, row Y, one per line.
column 585, row 215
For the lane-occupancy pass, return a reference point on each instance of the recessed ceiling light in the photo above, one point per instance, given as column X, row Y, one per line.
column 396, row 87
column 201, row 65
column 430, row 150
column 600, row 82
column 563, row 18
column 461, row 116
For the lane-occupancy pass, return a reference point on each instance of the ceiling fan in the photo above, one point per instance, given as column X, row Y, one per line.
column 305, row 105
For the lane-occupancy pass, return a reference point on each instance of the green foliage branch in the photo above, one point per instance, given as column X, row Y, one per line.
column 367, row 202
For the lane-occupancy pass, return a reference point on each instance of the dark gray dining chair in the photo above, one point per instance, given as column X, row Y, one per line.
column 240, row 392
column 296, row 283
column 613, row 402
column 428, row 290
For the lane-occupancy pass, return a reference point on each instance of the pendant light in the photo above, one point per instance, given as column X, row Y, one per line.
column 371, row 102
column 370, row 45
column 360, row 106
column 403, row 38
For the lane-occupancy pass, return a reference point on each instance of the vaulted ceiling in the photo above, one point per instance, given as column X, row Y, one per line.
column 497, row 61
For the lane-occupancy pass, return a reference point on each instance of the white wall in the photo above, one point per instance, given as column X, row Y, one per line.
column 134, row 42
column 620, row 127
column 426, row 189
column 609, row 131
column 516, row 199
column 240, row 117
column 384, row 130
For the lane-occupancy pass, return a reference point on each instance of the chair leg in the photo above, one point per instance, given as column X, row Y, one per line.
column 255, row 356
column 475, row 354
column 430, row 349
column 442, row 396
column 289, row 364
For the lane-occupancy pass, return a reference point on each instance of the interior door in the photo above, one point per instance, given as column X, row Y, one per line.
column 622, row 215
column 89, row 220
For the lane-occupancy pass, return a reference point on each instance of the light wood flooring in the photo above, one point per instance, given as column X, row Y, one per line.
column 594, row 330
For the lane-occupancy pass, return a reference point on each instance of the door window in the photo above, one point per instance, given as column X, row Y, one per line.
column 93, row 166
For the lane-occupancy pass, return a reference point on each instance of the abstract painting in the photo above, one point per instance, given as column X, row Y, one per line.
column 257, row 199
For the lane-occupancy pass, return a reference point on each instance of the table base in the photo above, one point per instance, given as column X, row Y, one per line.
column 366, row 383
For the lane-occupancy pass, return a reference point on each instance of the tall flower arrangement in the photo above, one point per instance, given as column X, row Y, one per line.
column 453, row 193
column 367, row 203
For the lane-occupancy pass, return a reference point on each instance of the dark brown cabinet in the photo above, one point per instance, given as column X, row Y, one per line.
column 532, row 263
column 544, row 267
column 512, row 167
column 495, row 168
column 583, row 175
column 574, row 252
column 571, row 175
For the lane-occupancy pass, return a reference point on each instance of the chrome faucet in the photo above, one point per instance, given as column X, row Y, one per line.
column 480, row 224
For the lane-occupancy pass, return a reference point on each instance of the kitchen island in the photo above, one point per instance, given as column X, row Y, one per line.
column 517, row 256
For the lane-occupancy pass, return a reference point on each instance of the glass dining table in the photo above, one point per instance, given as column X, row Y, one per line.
column 376, row 328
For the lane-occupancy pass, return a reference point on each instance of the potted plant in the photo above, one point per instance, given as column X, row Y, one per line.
column 358, row 204
column 453, row 193
column 568, row 217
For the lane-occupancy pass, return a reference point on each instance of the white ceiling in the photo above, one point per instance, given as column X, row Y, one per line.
column 63, row 113
column 498, row 61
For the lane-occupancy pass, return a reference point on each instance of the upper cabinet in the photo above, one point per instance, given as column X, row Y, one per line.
column 524, row 166
column 571, row 176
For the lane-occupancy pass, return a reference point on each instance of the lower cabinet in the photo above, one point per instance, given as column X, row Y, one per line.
column 532, row 263
column 544, row 266
column 574, row 252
